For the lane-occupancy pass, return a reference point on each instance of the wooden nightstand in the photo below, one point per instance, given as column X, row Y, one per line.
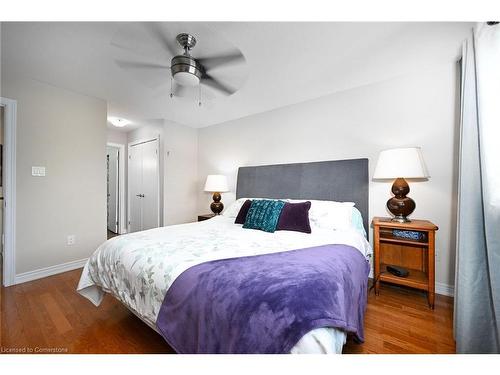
column 416, row 255
column 205, row 217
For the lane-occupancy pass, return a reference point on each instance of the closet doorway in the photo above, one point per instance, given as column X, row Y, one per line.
column 112, row 168
column 1, row 192
column 143, row 185
column 115, row 182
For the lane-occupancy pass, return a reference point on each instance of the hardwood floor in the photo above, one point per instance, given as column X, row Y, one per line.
column 49, row 315
column 399, row 321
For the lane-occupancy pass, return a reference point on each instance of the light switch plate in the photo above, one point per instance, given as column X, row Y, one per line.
column 38, row 171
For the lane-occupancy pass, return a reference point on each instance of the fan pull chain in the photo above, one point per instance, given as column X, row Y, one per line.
column 199, row 97
column 171, row 88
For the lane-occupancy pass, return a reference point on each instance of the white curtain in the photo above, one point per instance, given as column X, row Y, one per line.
column 477, row 283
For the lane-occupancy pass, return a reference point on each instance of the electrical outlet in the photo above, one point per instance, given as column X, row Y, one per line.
column 71, row 239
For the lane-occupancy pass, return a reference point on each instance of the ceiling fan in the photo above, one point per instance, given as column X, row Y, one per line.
column 186, row 71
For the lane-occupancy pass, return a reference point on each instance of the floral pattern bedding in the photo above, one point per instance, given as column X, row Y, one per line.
column 138, row 268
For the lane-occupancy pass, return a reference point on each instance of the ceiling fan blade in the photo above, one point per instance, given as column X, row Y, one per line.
column 121, row 46
column 139, row 65
column 216, row 61
column 217, row 85
column 154, row 29
column 150, row 75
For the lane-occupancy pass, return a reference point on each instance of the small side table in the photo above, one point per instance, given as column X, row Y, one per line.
column 205, row 217
column 415, row 254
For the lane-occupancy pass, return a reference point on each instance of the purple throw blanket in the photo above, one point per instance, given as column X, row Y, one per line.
column 265, row 303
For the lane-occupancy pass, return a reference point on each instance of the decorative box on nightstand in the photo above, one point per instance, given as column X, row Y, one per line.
column 205, row 217
column 409, row 245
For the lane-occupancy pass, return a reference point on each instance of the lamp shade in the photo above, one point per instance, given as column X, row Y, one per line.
column 401, row 163
column 216, row 183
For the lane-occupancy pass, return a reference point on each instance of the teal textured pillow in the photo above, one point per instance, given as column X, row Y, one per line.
column 264, row 214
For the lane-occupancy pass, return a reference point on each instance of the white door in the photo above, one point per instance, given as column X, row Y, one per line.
column 113, row 168
column 143, row 177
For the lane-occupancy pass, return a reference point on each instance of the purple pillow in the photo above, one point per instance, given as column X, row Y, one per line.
column 242, row 215
column 295, row 216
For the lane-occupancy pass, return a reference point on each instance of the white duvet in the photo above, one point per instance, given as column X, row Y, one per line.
column 138, row 268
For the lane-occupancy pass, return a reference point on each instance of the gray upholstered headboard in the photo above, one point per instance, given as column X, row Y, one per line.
column 336, row 180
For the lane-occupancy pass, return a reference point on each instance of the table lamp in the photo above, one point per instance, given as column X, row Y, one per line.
column 216, row 184
column 399, row 164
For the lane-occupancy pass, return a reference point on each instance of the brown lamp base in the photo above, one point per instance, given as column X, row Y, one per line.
column 400, row 205
column 216, row 205
column 400, row 219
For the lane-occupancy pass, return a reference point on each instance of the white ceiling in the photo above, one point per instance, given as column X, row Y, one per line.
column 286, row 63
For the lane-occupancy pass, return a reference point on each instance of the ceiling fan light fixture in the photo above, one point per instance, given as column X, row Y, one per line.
column 186, row 71
column 186, row 79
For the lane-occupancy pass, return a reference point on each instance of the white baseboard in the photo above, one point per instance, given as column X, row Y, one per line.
column 445, row 289
column 49, row 271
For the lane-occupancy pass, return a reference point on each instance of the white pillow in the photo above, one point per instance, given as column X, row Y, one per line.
column 329, row 214
column 235, row 207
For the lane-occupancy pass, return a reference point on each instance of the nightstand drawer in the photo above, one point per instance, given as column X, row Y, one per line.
column 397, row 235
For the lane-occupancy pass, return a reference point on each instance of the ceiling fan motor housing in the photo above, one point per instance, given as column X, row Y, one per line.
column 183, row 67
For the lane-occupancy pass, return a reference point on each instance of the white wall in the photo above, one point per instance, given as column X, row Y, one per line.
column 181, row 173
column 416, row 110
column 115, row 136
column 65, row 132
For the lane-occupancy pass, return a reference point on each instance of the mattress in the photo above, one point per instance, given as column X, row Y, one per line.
column 138, row 268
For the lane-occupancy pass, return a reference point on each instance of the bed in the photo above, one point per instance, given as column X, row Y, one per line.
column 140, row 268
